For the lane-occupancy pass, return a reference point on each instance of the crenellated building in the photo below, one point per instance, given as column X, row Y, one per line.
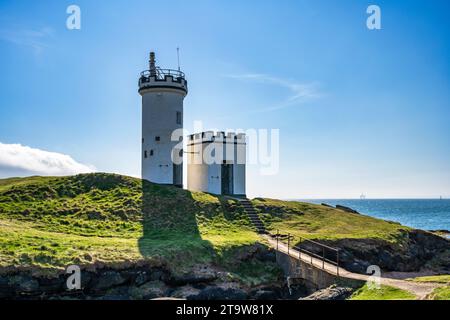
column 216, row 162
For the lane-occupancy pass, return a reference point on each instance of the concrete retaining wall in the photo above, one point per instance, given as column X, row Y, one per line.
column 312, row 277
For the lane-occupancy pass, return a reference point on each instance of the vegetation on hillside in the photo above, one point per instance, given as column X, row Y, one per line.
column 445, row 278
column 54, row 221
column 382, row 293
column 51, row 222
column 320, row 222
column 440, row 293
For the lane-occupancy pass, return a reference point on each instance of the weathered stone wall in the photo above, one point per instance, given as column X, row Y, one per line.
column 301, row 271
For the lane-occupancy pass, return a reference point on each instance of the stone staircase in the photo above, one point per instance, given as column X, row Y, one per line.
column 253, row 216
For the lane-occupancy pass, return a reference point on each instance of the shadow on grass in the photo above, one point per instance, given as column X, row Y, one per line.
column 170, row 228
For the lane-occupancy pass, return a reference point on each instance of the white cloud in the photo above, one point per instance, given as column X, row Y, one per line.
column 19, row 160
column 36, row 39
column 299, row 92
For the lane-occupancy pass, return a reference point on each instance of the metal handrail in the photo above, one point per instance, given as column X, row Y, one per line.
column 318, row 243
column 310, row 253
column 161, row 73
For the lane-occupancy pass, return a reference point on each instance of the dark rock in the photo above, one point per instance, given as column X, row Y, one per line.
column 217, row 293
column 266, row 255
column 326, row 205
column 24, row 284
column 5, row 289
column 117, row 293
column 184, row 292
column 331, row 293
column 265, row 294
column 86, row 278
column 157, row 274
column 109, row 279
column 346, row 209
column 198, row 274
column 418, row 249
column 52, row 285
column 141, row 278
column 440, row 231
column 149, row 290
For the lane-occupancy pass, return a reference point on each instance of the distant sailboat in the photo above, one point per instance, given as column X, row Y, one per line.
column 362, row 196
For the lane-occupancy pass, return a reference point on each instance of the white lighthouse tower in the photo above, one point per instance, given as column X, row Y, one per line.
column 163, row 92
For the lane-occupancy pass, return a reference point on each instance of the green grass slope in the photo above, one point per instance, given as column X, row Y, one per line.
column 50, row 222
column 319, row 222
column 440, row 293
column 382, row 293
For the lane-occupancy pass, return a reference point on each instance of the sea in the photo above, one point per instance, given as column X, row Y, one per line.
column 425, row 214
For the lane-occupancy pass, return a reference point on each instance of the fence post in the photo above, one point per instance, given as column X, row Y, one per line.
column 323, row 258
column 300, row 249
column 278, row 235
column 289, row 242
column 337, row 262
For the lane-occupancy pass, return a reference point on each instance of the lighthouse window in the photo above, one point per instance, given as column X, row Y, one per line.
column 145, row 154
column 157, row 138
column 151, row 152
column 178, row 117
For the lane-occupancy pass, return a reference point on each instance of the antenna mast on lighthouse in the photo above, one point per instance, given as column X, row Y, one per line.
column 178, row 57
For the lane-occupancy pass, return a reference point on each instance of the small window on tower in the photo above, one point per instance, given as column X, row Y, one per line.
column 145, row 154
column 142, row 140
column 151, row 152
column 179, row 120
column 157, row 138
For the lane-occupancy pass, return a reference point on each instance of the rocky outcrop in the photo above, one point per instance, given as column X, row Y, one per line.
column 331, row 293
column 198, row 274
column 219, row 293
column 418, row 250
column 346, row 209
column 145, row 281
column 136, row 283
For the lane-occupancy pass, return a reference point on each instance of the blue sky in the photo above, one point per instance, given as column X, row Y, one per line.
column 373, row 115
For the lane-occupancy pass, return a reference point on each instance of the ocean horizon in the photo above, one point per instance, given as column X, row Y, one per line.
column 426, row 214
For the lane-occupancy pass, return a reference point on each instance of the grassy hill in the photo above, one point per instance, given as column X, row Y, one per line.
column 54, row 221
column 320, row 222
column 47, row 223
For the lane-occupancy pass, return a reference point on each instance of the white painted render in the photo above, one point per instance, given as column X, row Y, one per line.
column 204, row 173
column 161, row 100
